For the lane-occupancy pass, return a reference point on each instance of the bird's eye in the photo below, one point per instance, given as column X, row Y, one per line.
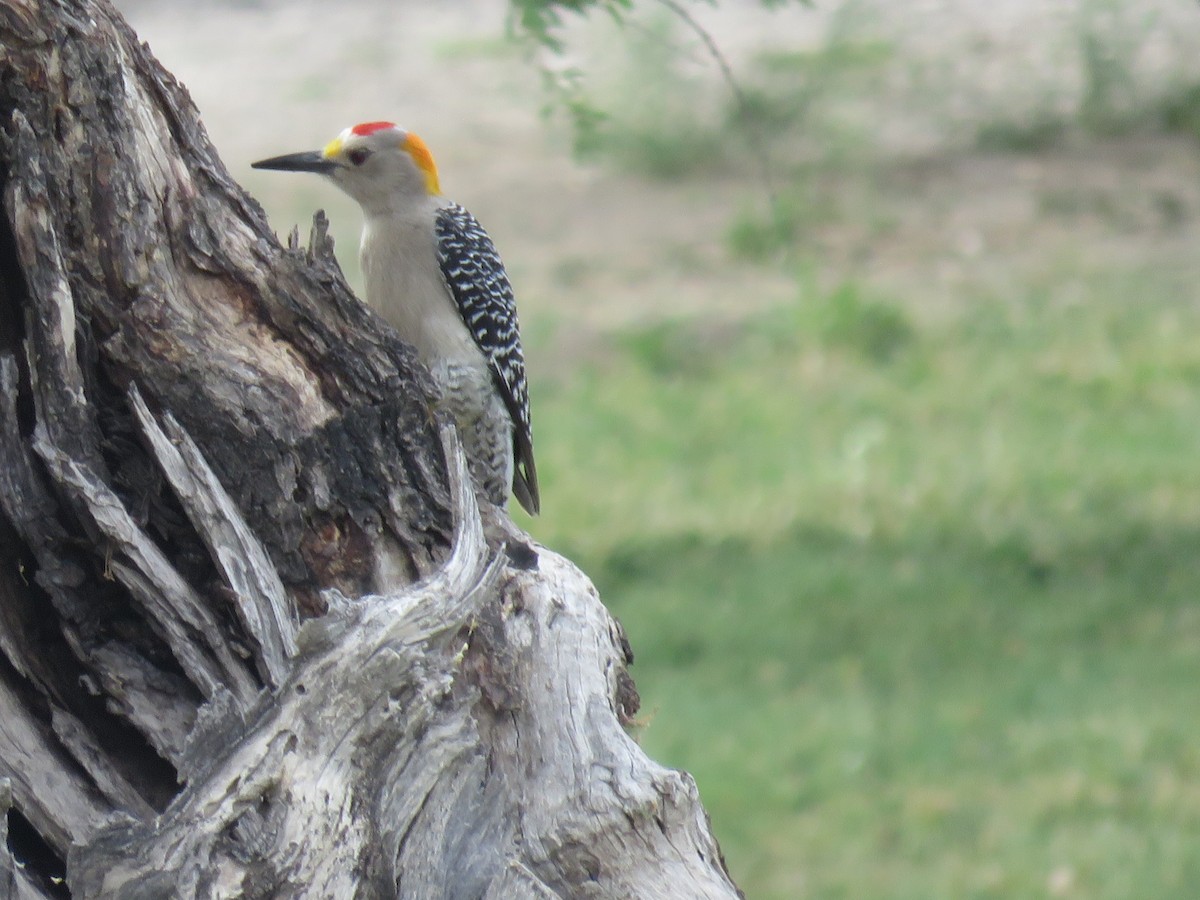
column 358, row 156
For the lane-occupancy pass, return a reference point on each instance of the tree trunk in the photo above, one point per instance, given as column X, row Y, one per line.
column 255, row 640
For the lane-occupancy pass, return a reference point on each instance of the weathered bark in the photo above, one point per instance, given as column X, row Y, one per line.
column 254, row 639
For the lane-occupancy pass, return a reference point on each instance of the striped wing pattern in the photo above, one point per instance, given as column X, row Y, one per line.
column 475, row 276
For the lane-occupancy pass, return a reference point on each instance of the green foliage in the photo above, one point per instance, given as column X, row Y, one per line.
column 1107, row 48
column 798, row 99
column 756, row 237
column 541, row 19
column 566, row 96
column 842, row 64
column 846, row 317
column 662, row 125
column 912, row 597
column 1181, row 111
column 676, row 349
column 641, row 108
column 1109, row 37
column 1032, row 136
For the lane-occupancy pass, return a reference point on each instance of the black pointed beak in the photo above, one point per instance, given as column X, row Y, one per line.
column 313, row 161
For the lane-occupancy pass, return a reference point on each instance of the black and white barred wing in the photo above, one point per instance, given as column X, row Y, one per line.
column 475, row 275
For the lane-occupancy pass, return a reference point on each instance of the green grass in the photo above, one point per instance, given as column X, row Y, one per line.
column 757, row 235
column 910, row 581
column 912, row 596
column 927, row 716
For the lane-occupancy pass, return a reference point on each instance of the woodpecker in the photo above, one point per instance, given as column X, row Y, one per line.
column 433, row 274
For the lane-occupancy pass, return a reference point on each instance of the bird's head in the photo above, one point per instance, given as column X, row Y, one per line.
column 379, row 164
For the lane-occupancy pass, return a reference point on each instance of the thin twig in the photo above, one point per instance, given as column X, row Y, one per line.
column 757, row 145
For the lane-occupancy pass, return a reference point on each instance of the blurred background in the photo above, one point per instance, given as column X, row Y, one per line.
column 870, row 400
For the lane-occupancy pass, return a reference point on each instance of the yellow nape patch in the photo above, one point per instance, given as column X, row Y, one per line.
column 424, row 159
column 334, row 147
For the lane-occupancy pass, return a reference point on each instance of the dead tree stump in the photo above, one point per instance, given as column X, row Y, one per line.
column 254, row 640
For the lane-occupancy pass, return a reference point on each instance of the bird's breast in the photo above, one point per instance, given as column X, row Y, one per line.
column 404, row 284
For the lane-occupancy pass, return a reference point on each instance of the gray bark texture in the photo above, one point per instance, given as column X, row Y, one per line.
column 257, row 637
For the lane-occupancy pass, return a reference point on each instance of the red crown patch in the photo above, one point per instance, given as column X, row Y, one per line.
column 367, row 128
